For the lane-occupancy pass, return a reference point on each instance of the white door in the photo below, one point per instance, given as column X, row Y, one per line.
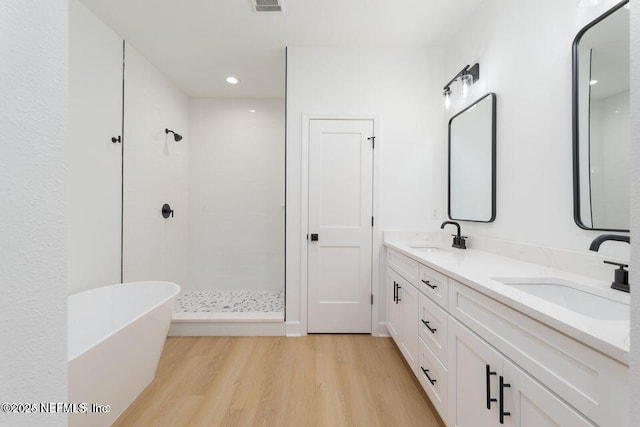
column 340, row 215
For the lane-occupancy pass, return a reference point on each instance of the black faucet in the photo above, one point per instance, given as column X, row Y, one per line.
column 621, row 276
column 595, row 245
column 458, row 240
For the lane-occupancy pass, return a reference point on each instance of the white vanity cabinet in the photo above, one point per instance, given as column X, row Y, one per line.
column 408, row 296
column 473, row 379
column 394, row 313
column 483, row 363
column 594, row 384
column 402, row 310
column 487, row 389
column 531, row 404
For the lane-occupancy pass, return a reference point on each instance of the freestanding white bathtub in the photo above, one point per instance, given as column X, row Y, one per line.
column 116, row 335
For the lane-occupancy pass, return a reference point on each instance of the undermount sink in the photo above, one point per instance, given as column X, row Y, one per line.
column 424, row 248
column 562, row 293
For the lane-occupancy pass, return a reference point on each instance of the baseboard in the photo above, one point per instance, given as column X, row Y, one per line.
column 226, row 328
column 222, row 317
column 294, row 329
column 382, row 330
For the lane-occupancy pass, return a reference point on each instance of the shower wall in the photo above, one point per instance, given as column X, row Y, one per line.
column 236, row 194
column 155, row 173
column 224, row 180
column 93, row 161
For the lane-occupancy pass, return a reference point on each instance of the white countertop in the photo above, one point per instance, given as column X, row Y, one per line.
column 477, row 268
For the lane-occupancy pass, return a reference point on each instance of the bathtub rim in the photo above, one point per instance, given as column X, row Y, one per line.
column 143, row 313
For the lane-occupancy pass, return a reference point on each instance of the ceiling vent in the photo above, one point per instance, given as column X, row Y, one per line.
column 268, row 5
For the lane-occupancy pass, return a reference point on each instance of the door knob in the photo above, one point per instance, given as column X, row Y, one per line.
column 314, row 237
column 116, row 139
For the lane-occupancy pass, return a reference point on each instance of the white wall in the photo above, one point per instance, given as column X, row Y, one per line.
column 94, row 162
column 635, row 211
column 236, row 194
column 33, row 119
column 155, row 172
column 403, row 87
column 524, row 51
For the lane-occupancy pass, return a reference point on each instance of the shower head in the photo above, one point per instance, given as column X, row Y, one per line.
column 176, row 136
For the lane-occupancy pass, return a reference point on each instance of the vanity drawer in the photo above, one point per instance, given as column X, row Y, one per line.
column 435, row 285
column 404, row 266
column 436, row 384
column 433, row 328
column 585, row 378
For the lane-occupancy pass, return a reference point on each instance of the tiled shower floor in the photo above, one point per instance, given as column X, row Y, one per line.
column 230, row 302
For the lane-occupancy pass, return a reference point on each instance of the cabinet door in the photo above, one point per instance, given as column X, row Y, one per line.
column 393, row 307
column 531, row 405
column 409, row 302
column 474, row 368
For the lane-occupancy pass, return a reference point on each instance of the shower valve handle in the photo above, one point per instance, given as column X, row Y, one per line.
column 167, row 211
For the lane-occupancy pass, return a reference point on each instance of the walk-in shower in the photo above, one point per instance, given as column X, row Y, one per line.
column 171, row 184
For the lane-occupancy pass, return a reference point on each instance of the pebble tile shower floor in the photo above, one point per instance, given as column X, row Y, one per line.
column 230, row 302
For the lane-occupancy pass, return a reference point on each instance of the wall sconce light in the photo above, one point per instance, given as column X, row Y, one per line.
column 465, row 78
column 176, row 136
column 447, row 98
column 465, row 84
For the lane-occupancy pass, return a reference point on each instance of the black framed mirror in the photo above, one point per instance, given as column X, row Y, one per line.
column 601, row 123
column 472, row 162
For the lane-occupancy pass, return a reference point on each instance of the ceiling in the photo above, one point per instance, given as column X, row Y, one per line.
column 198, row 43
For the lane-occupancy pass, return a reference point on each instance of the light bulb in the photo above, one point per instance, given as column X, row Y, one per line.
column 447, row 99
column 587, row 3
column 466, row 80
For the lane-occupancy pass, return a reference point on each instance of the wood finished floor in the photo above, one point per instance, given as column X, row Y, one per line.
column 317, row 380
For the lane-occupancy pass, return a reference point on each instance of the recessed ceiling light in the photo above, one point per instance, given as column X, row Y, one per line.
column 252, row 111
column 587, row 3
column 592, row 82
column 232, row 80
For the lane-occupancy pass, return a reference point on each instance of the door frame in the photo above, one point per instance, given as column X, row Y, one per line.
column 377, row 237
